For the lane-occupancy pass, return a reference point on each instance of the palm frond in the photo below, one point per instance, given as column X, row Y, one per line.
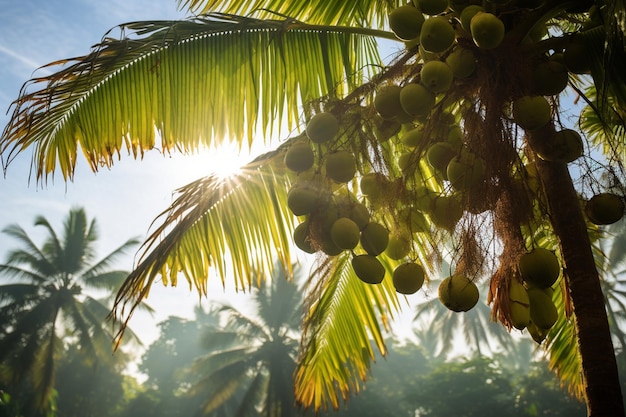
column 339, row 333
column 347, row 12
column 188, row 84
column 238, row 226
column 105, row 263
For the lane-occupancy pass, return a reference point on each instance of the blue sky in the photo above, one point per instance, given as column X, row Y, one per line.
column 125, row 199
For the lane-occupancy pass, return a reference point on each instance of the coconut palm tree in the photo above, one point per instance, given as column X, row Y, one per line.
column 252, row 71
column 251, row 358
column 44, row 303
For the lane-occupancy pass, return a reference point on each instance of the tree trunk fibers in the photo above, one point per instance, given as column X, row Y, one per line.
column 604, row 397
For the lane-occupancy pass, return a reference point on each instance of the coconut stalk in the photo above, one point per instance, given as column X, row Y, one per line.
column 601, row 380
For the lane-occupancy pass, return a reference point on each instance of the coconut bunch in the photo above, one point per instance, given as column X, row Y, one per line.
column 446, row 140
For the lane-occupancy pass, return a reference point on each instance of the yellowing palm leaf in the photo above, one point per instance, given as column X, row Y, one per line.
column 179, row 85
column 341, row 327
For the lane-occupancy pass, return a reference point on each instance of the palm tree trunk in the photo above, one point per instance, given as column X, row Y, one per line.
column 604, row 397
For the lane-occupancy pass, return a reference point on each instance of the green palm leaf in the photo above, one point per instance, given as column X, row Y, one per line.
column 346, row 12
column 206, row 229
column 340, row 330
column 181, row 85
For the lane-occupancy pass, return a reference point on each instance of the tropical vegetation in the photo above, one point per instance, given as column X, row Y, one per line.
column 54, row 299
column 458, row 148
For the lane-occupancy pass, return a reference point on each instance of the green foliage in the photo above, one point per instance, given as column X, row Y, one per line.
column 42, row 300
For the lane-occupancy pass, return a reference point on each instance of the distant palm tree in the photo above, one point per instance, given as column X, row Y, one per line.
column 44, row 305
column 251, row 361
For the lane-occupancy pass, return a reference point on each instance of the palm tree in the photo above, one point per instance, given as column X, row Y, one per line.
column 44, row 303
column 220, row 77
column 251, row 358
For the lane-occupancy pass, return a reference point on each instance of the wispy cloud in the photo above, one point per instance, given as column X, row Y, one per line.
column 26, row 61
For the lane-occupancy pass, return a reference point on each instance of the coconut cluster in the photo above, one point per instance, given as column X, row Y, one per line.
column 333, row 220
column 448, row 142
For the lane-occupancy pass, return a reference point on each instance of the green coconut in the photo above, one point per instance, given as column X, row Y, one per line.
column 399, row 246
column 531, row 112
column 340, row 166
column 368, row 269
column 302, row 239
column 446, row 211
column 322, row 127
column 462, row 61
column 604, row 208
column 432, row 7
column 549, row 78
column 299, row 157
column 540, row 267
column 519, row 305
column 406, row 22
column 374, row 238
column 437, row 34
column 563, row 146
column 466, row 171
column 303, row 198
column 487, row 30
column 439, row 155
column 413, row 137
column 458, row 293
column 436, row 76
column 345, row 233
column 416, row 100
column 543, row 312
column 408, row 278
column 387, row 102
column 467, row 14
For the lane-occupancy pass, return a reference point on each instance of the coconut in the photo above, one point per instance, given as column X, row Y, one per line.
column 386, row 129
column 446, row 211
column 543, row 312
column 466, row 171
column 439, row 155
column 531, row 112
column 340, row 166
column 413, row 137
column 299, row 157
column 406, row 22
column 458, row 293
column 467, row 14
column 345, row 233
column 455, row 137
column 549, row 78
column 368, row 269
column 487, row 30
column 540, row 267
column 374, row 238
column 415, row 220
column 432, row 7
column 303, row 198
column 398, row 246
column 462, row 61
column 536, row 333
column 322, row 127
column 436, row 76
column 519, row 305
column 408, row 278
column 604, row 208
column 373, row 185
column 301, row 237
column 387, row 102
column 424, row 198
column 416, row 100
column 563, row 146
column 437, row 34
